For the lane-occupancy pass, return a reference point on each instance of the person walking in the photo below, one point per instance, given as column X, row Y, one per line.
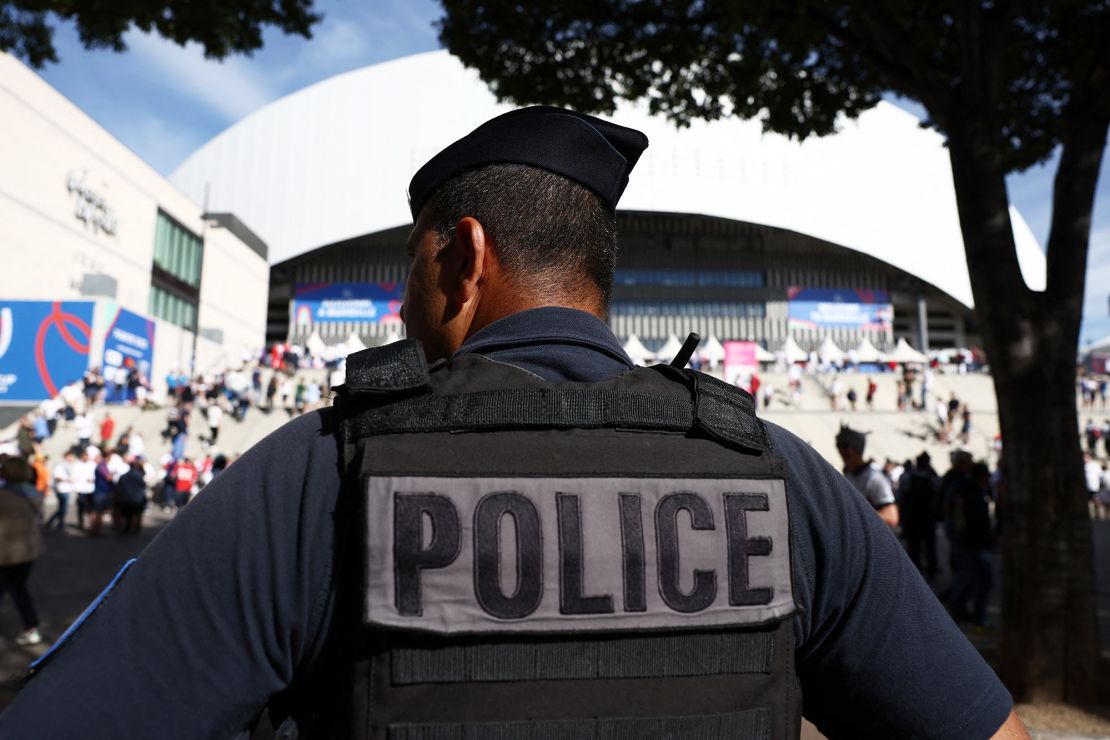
column 974, row 577
column 25, row 437
column 83, row 426
column 103, row 488
column 65, row 478
column 214, row 414
column 20, row 544
column 131, row 498
column 185, row 480
column 136, row 447
column 41, row 474
column 107, row 429
column 84, row 483
column 271, row 391
column 918, row 495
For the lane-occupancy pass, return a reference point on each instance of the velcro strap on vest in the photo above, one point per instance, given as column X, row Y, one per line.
column 751, row 725
column 523, row 408
column 726, row 413
column 392, row 368
column 658, row 656
column 558, row 408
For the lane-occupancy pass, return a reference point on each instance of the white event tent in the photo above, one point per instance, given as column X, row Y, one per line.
column 315, row 344
column 712, row 351
column 903, row 353
column 354, row 344
column 867, row 352
column 637, row 352
column 792, row 352
column 829, row 352
column 667, row 352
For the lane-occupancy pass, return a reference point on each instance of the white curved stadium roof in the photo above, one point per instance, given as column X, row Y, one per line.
column 333, row 161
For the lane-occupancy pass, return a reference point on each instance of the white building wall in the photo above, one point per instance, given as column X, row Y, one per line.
column 48, row 253
column 235, row 284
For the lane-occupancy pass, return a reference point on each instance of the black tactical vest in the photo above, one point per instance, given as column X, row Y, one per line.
column 565, row 560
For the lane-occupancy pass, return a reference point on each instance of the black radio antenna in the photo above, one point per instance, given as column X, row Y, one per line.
column 687, row 350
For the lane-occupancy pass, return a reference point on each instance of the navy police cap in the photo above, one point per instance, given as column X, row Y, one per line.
column 591, row 152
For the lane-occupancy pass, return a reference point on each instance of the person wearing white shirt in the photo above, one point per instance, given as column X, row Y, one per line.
column 64, row 474
column 214, row 414
column 84, row 483
column 1092, row 472
column 311, row 395
column 83, row 425
column 136, row 447
column 117, row 466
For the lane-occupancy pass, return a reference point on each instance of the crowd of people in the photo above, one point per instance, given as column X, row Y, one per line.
column 966, row 504
column 108, row 475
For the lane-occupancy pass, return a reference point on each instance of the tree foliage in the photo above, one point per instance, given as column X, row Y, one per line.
column 222, row 27
column 796, row 66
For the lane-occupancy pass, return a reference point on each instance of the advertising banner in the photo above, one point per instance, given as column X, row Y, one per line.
column 44, row 346
column 128, row 345
column 740, row 363
column 320, row 303
column 834, row 308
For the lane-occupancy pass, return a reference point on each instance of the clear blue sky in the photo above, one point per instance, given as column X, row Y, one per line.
column 164, row 101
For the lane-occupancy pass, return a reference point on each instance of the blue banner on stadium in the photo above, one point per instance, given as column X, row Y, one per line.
column 375, row 303
column 44, row 346
column 833, row 308
column 128, row 344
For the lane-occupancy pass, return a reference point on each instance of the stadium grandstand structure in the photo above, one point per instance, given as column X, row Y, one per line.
column 724, row 230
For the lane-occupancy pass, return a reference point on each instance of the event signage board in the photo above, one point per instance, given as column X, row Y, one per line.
column 128, row 344
column 740, row 363
column 321, row 303
column 44, row 346
column 834, row 308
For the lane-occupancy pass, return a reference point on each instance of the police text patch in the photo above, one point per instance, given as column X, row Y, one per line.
column 469, row 555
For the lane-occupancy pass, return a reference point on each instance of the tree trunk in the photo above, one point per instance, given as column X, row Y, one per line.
column 1049, row 639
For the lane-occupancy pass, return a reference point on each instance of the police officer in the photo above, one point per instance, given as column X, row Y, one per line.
column 503, row 530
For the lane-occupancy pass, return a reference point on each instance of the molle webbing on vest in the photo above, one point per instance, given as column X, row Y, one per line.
column 726, row 413
column 721, row 413
column 662, row 656
column 750, row 725
column 522, row 408
column 392, row 368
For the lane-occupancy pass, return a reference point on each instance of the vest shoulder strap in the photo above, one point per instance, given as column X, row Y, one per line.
column 389, row 390
column 393, row 369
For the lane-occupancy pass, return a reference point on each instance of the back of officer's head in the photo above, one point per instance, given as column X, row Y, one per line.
column 544, row 183
column 550, row 234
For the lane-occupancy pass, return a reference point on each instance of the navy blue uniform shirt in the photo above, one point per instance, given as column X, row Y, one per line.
column 234, row 597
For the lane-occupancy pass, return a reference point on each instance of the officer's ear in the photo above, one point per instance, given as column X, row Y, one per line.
column 473, row 261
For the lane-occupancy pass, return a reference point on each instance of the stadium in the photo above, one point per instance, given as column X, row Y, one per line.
column 724, row 230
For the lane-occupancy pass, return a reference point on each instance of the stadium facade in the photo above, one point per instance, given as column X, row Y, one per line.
column 105, row 263
column 724, row 230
